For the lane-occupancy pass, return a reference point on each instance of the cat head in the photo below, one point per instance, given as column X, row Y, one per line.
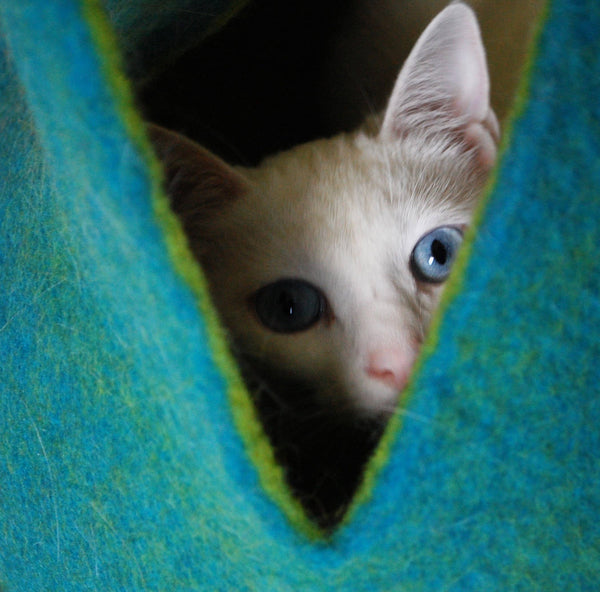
column 327, row 261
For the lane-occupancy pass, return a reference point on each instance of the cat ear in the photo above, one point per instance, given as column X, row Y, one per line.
column 442, row 91
column 198, row 183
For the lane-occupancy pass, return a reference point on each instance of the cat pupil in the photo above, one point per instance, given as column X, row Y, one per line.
column 286, row 303
column 439, row 253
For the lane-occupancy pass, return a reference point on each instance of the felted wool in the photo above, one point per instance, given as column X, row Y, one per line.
column 130, row 458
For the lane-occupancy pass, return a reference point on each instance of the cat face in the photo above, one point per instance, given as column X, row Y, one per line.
column 318, row 272
column 327, row 261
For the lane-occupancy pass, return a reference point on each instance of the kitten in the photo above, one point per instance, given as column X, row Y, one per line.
column 327, row 261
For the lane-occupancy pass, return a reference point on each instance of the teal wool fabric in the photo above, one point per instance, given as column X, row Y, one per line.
column 129, row 460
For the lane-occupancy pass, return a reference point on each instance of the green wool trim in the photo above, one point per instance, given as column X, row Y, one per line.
column 456, row 283
column 245, row 418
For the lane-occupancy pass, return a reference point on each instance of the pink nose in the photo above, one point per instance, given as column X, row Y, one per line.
column 391, row 366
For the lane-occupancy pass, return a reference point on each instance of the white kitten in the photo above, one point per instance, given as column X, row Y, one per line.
column 318, row 260
column 327, row 261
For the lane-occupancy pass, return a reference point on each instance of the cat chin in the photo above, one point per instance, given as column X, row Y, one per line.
column 376, row 401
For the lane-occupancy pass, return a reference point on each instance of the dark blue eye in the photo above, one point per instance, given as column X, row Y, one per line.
column 434, row 254
column 289, row 305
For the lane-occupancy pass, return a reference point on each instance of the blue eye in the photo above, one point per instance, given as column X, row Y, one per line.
column 434, row 254
column 288, row 306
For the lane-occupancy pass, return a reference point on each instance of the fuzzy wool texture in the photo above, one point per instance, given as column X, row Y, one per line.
column 129, row 455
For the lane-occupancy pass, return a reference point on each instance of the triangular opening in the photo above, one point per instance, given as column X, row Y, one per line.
column 258, row 86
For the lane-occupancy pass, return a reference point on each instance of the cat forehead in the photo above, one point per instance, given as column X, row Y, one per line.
column 352, row 179
column 335, row 208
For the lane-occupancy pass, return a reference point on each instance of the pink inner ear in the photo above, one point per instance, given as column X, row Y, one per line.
column 198, row 182
column 444, row 83
column 472, row 78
